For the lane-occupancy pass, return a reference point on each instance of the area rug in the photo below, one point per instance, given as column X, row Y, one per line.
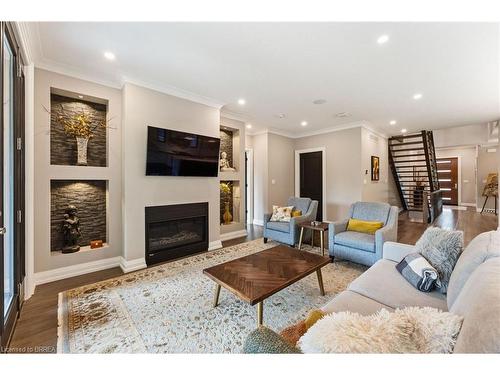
column 168, row 308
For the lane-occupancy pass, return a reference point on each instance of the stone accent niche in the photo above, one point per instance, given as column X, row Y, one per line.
column 63, row 147
column 226, row 144
column 90, row 198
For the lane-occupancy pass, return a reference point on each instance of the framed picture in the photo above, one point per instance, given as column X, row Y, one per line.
column 375, row 168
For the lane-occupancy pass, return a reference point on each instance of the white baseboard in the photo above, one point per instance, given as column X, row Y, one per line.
column 132, row 265
column 258, row 222
column 468, row 204
column 214, row 245
column 76, row 270
column 232, row 235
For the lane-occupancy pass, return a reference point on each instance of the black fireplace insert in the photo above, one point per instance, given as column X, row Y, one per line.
column 175, row 231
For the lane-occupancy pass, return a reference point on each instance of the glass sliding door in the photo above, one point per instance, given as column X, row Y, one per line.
column 8, row 177
column 11, row 181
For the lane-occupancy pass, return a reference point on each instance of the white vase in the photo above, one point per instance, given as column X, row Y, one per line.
column 81, row 148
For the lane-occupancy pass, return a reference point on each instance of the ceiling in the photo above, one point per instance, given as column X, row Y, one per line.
column 281, row 68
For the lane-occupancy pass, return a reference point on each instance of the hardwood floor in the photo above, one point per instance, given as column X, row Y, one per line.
column 36, row 329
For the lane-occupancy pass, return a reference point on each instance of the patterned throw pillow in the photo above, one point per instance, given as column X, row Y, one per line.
column 282, row 213
column 441, row 248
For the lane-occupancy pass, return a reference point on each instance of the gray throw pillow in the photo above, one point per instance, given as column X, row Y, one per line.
column 441, row 248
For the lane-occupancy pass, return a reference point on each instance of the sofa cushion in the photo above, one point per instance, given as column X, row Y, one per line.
column 480, row 249
column 441, row 248
column 371, row 211
column 479, row 304
column 351, row 301
column 383, row 283
column 356, row 240
column 301, row 204
column 278, row 226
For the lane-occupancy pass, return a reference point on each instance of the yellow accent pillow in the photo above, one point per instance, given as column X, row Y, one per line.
column 313, row 317
column 296, row 213
column 363, row 226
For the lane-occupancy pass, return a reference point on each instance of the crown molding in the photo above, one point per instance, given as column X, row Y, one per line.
column 234, row 115
column 29, row 39
column 67, row 70
column 174, row 91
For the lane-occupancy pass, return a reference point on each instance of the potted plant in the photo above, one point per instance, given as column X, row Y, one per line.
column 226, row 188
column 82, row 126
column 418, row 193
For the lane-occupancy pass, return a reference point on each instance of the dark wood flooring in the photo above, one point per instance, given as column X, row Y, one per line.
column 36, row 329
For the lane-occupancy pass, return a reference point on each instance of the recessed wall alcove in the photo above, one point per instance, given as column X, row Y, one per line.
column 63, row 149
column 90, row 198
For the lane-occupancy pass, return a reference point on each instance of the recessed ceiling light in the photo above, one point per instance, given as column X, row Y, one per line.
column 403, row 131
column 109, row 55
column 393, row 122
column 249, row 126
column 343, row 114
column 417, row 96
column 241, row 101
column 80, row 96
column 281, row 115
column 319, row 101
column 383, row 39
column 303, row 123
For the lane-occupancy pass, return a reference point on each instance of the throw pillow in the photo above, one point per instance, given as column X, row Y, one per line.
column 441, row 248
column 293, row 333
column 282, row 213
column 296, row 213
column 364, row 226
column 418, row 272
column 408, row 330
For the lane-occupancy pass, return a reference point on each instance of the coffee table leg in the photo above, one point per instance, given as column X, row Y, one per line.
column 320, row 281
column 300, row 238
column 216, row 295
column 260, row 313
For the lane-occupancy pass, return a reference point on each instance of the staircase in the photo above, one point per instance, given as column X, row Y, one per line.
column 412, row 159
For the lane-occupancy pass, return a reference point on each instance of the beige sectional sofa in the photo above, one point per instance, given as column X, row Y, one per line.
column 473, row 292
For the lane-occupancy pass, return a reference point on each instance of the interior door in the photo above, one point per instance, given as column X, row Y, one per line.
column 11, row 181
column 311, row 178
column 448, row 179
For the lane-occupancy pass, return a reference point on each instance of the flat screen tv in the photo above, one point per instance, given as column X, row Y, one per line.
column 175, row 153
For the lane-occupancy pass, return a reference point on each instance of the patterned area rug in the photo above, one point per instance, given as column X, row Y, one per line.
column 168, row 308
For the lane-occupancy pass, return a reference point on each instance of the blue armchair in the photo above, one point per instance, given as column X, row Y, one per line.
column 288, row 233
column 358, row 247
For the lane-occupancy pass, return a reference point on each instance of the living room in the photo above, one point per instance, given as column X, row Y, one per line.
column 249, row 187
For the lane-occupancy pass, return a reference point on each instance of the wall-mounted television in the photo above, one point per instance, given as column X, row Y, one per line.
column 175, row 153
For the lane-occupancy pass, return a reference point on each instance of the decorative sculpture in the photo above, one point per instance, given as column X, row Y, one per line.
column 224, row 163
column 71, row 230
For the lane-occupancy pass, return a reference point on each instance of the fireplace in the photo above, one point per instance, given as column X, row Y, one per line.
column 175, row 231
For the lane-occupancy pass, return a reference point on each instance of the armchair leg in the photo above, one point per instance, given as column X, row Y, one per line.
column 265, row 240
column 332, row 258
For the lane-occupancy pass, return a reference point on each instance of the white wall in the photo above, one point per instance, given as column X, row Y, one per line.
column 343, row 169
column 143, row 107
column 281, row 157
column 487, row 162
column 261, row 177
column 468, row 165
column 374, row 145
column 469, row 135
column 45, row 260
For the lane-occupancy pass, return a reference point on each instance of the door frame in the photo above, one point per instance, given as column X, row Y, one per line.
column 459, row 174
column 323, row 167
column 249, row 183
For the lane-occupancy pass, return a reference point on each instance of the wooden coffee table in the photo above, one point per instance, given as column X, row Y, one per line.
column 255, row 277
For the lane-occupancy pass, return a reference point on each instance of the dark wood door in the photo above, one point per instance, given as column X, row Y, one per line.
column 448, row 179
column 311, row 178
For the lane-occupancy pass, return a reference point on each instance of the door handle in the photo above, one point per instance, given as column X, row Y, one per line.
column 456, row 186
column 3, row 230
